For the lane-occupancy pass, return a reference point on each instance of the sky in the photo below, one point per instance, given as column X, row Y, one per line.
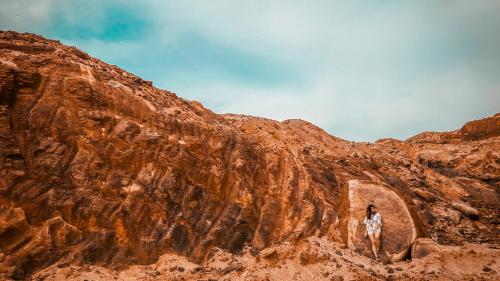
column 361, row 70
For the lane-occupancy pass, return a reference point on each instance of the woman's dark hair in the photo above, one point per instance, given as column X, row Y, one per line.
column 369, row 211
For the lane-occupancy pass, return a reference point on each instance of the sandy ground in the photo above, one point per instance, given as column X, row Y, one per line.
column 311, row 259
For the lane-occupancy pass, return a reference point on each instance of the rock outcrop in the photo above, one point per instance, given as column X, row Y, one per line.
column 99, row 167
column 474, row 130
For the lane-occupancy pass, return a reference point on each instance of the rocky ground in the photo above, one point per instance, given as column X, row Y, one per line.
column 104, row 176
column 310, row 259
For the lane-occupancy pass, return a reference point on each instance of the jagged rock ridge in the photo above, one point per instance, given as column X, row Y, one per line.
column 100, row 167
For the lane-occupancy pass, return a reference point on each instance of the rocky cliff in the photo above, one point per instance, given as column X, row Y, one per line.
column 99, row 167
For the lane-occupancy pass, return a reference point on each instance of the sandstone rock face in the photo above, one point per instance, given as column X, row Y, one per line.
column 398, row 227
column 99, row 167
column 131, row 172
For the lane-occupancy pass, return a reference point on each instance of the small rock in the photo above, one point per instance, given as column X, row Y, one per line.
column 17, row 273
column 454, row 217
column 197, row 269
column 424, row 194
column 79, row 53
column 386, row 261
column 305, row 258
column 423, row 247
column 231, row 268
column 268, row 253
column 390, row 270
column 465, row 209
column 487, row 269
column 295, row 236
column 178, row 268
column 429, row 217
column 337, row 278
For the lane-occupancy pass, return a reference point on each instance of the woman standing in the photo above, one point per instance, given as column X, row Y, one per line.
column 373, row 222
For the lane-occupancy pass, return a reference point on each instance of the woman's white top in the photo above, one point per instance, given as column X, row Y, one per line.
column 373, row 224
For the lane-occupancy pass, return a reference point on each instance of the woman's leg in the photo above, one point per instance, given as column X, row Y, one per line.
column 372, row 240
column 377, row 239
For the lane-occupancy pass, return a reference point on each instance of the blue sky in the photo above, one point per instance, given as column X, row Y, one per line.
column 362, row 70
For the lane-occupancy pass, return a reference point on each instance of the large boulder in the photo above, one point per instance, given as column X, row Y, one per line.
column 398, row 227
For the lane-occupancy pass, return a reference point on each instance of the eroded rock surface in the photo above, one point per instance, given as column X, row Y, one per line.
column 99, row 167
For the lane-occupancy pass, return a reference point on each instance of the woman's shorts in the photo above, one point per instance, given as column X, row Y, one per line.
column 374, row 231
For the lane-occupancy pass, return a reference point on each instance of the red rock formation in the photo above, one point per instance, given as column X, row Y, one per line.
column 474, row 130
column 97, row 166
